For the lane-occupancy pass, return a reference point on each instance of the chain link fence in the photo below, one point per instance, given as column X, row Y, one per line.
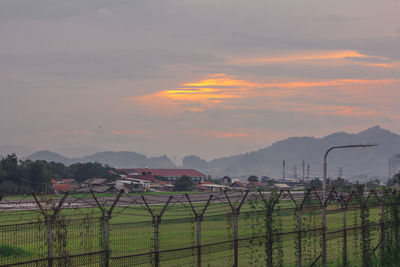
column 220, row 229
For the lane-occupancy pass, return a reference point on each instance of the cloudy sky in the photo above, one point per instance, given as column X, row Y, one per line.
column 203, row 77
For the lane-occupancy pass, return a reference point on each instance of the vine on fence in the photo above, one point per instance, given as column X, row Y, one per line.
column 263, row 224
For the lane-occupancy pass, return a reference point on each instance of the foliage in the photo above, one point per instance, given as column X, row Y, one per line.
column 394, row 180
column 9, row 251
column 338, row 183
column 184, row 183
column 316, row 183
column 25, row 176
column 252, row 178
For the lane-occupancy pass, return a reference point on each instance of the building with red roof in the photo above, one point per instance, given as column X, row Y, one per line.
column 169, row 174
column 62, row 188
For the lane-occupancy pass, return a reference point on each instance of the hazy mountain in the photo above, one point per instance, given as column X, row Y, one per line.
column 122, row 159
column 194, row 162
column 49, row 156
column 268, row 161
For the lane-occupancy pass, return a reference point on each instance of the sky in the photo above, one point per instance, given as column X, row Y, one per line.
column 204, row 77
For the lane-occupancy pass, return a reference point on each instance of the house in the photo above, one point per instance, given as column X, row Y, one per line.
column 62, row 188
column 165, row 174
column 253, row 186
column 98, row 185
column 281, row 186
column 213, row 187
column 129, row 186
column 64, row 185
column 238, row 186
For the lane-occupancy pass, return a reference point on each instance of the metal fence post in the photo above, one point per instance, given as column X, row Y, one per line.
column 235, row 214
column 382, row 224
column 156, row 223
column 106, row 216
column 49, row 226
column 323, row 235
column 106, row 223
column 49, row 221
column 236, row 238
column 345, row 235
column 198, row 218
column 299, row 214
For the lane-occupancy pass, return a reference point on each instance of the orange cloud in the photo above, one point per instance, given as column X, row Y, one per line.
column 221, row 87
column 228, row 92
column 341, row 54
column 321, row 57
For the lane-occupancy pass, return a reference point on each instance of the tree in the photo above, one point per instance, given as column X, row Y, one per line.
column 338, row 183
column 84, row 171
column 226, row 179
column 252, row 178
column 9, row 164
column 373, row 184
column 316, row 183
column 38, row 175
column 394, row 180
column 183, row 183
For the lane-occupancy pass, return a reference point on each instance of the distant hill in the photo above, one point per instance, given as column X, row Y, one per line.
column 357, row 161
column 268, row 161
column 50, row 156
column 123, row 159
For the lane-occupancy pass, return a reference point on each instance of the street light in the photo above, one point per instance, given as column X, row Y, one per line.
column 325, row 165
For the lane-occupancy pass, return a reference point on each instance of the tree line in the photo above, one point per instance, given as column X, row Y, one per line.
column 24, row 176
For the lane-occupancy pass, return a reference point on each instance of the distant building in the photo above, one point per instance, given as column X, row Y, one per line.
column 394, row 165
column 168, row 174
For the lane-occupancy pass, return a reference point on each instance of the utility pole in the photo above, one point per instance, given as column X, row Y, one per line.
column 283, row 170
column 303, row 164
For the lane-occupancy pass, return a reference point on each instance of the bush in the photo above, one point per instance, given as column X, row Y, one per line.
column 10, row 251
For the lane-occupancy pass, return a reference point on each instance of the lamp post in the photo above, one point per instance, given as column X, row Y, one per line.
column 324, row 173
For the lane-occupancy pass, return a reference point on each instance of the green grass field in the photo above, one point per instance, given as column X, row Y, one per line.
column 132, row 232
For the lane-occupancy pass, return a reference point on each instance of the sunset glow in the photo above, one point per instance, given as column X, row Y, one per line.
column 308, row 56
column 226, row 90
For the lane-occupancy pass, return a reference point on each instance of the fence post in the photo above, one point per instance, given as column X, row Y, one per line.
column 382, row 224
column 49, row 221
column 106, row 216
column 156, row 223
column 344, row 235
column 49, row 226
column 199, row 218
column 235, row 214
column 324, row 228
column 299, row 214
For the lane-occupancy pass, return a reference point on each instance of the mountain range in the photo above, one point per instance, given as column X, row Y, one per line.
column 371, row 162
